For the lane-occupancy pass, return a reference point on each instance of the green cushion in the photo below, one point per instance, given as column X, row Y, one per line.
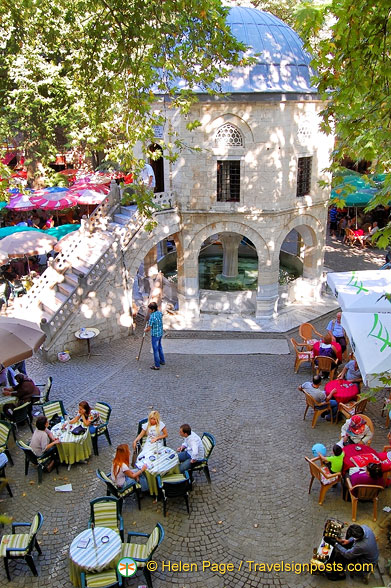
column 135, row 551
column 102, row 579
column 4, row 434
column 105, row 514
column 173, row 478
column 34, row 525
column 208, row 446
column 49, row 410
column 103, row 410
column 153, row 540
column 19, row 540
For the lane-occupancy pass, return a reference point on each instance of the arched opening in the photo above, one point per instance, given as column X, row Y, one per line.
column 162, row 257
column 157, row 166
column 228, row 262
column 291, row 263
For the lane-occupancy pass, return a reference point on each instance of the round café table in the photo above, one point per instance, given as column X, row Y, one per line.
column 346, row 391
column 73, row 448
column 87, row 334
column 351, row 451
column 160, row 460
column 93, row 551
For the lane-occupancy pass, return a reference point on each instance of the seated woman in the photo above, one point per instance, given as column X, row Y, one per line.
column 24, row 390
column 154, row 430
column 371, row 475
column 87, row 417
column 122, row 475
column 43, row 442
column 355, row 431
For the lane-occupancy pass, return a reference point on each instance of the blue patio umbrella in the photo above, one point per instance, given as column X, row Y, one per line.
column 62, row 230
column 5, row 231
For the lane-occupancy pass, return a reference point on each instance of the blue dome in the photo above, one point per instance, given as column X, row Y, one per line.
column 282, row 64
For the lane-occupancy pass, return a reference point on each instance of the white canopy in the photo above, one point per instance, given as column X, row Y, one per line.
column 370, row 338
column 362, row 291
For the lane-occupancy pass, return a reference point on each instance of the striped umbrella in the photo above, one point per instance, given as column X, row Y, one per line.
column 20, row 202
column 55, row 198
column 89, row 196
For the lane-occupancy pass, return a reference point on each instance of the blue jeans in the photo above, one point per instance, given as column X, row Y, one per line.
column 158, row 355
column 131, row 482
column 334, row 407
column 185, row 461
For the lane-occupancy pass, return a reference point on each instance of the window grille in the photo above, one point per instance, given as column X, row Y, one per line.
column 229, row 136
column 228, row 181
column 304, row 168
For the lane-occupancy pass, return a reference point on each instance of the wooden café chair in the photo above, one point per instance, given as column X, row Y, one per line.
column 363, row 492
column 308, row 332
column 303, row 353
column 353, row 407
column 318, row 408
column 322, row 363
column 326, row 480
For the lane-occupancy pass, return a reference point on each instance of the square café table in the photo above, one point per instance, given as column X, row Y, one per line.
column 103, row 551
column 73, row 448
column 160, row 460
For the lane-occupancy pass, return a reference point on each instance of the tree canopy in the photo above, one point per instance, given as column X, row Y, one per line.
column 84, row 73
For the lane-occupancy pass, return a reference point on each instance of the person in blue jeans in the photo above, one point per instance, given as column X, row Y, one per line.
column 155, row 325
column 320, row 396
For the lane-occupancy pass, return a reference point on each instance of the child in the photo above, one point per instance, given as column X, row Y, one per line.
column 334, row 463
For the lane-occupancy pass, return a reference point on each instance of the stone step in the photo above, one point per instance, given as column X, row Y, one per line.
column 80, row 269
column 52, row 303
column 121, row 219
column 66, row 289
column 71, row 279
column 128, row 210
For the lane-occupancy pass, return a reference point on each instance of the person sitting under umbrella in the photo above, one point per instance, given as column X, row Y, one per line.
column 24, row 390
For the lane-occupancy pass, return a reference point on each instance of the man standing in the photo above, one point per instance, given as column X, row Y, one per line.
column 155, row 325
column 313, row 388
column 191, row 451
column 147, row 176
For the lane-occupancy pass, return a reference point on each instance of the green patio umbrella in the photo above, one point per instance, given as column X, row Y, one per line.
column 62, row 230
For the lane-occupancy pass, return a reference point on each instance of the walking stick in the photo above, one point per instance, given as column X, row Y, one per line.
column 141, row 346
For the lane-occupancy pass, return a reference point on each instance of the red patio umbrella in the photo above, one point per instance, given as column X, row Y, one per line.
column 55, row 198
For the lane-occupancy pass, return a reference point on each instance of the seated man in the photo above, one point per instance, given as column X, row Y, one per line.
column 372, row 231
column 191, row 451
column 359, row 547
column 355, row 431
column 43, row 442
column 313, row 388
column 336, row 330
column 351, row 372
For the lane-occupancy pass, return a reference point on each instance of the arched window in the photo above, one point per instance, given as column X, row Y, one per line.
column 158, row 167
column 229, row 136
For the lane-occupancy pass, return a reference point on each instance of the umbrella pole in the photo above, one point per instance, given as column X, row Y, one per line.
column 28, row 264
column 356, row 218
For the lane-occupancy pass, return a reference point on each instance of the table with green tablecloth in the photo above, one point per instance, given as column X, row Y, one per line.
column 73, row 448
column 93, row 550
column 160, row 460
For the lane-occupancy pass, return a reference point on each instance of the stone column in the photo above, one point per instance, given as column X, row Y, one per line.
column 230, row 243
column 267, row 294
column 150, row 263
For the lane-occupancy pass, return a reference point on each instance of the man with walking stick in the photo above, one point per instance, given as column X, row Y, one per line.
column 155, row 325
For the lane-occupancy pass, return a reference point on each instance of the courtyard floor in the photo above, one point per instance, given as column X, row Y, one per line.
column 257, row 508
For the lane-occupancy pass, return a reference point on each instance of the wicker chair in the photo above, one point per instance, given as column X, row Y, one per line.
column 363, row 492
column 318, row 408
column 308, row 332
column 353, row 407
column 326, row 480
column 303, row 353
column 322, row 363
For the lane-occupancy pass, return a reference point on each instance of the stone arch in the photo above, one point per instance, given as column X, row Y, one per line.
column 213, row 126
column 311, row 231
column 194, row 245
column 144, row 241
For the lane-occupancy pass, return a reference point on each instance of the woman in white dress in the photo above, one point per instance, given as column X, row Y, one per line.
column 154, row 431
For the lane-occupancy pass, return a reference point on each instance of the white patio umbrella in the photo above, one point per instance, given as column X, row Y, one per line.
column 370, row 338
column 362, row 291
column 27, row 243
column 356, row 280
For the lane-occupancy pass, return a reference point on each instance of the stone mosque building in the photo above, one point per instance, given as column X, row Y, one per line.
column 234, row 212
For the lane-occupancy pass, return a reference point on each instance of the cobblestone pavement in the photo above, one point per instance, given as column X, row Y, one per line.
column 257, row 507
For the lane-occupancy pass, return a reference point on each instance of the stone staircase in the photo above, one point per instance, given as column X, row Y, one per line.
column 82, row 267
